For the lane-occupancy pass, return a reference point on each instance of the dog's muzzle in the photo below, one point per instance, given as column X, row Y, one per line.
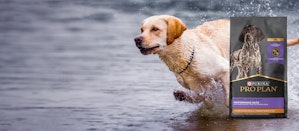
column 138, row 41
column 248, row 37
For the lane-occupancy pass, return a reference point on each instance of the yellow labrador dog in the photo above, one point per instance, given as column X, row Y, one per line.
column 198, row 57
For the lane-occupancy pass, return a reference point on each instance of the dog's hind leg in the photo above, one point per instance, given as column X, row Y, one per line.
column 239, row 73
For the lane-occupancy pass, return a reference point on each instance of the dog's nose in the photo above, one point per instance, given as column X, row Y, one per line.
column 138, row 41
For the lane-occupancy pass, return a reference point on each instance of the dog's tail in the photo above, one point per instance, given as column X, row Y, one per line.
column 293, row 42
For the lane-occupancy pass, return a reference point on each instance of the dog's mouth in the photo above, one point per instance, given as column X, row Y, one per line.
column 146, row 51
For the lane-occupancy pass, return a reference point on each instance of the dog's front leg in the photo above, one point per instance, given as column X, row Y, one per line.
column 188, row 97
column 245, row 72
column 259, row 68
column 183, row 96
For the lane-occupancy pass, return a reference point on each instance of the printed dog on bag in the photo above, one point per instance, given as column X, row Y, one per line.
column 249, row 57
column 258, row 88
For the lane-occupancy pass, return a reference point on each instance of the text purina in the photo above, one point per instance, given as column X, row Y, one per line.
column 258, row 83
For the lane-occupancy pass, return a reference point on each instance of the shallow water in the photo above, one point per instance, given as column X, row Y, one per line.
column 73, row 65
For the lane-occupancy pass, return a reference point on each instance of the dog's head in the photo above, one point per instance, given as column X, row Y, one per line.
column 157, row 32
column 251, row 33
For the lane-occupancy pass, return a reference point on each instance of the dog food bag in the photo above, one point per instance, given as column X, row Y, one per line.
column 258, row 67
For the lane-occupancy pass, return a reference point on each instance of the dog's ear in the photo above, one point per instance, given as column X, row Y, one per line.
column 241, row 37
column 175, row 28
column 259, row 34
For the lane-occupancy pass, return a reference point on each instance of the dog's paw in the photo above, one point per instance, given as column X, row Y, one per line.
column 179, row 95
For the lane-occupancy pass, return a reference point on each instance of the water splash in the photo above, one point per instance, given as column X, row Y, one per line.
column 215, row 98
column 252, row 8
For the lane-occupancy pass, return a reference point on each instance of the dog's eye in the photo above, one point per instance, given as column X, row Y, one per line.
column 155, row 29
column 141, row 30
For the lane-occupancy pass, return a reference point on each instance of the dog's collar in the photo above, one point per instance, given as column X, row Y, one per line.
column 190, row 60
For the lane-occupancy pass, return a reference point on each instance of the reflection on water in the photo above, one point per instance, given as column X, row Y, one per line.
column 72, row 65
